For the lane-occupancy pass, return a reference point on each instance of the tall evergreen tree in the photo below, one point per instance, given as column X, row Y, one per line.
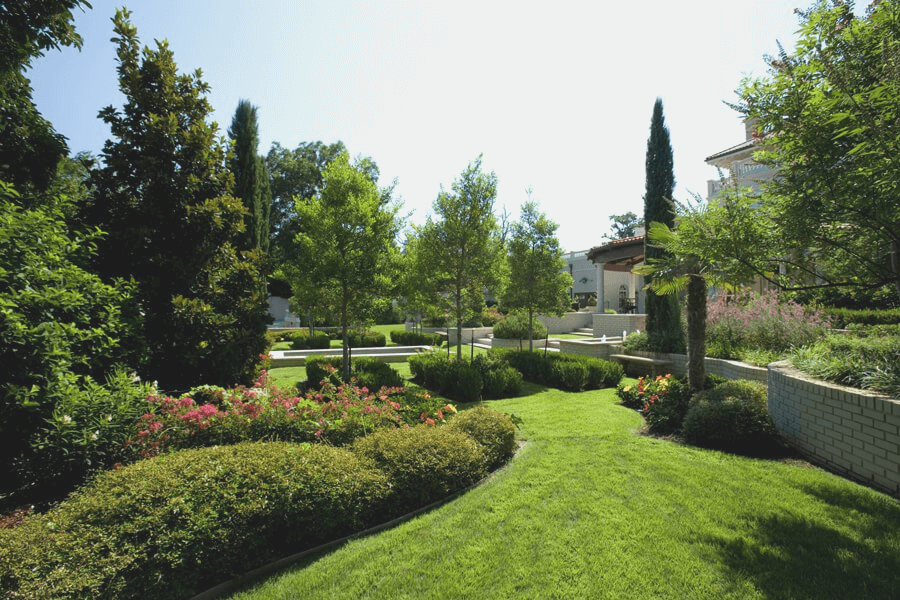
column 251, row 179
column 164, row 194
column 663, row 314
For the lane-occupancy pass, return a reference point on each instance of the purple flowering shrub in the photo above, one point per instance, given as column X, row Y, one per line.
column 766, row 325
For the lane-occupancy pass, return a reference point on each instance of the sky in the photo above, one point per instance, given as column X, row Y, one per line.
column 557, row 97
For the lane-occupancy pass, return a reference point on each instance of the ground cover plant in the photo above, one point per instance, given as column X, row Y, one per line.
column 866, row 358
column 586, row 501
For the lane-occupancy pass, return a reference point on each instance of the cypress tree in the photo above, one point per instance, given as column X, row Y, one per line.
column 663, row 314
column 251, row 179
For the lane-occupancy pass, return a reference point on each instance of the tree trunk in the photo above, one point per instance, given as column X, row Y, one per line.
column 530, row 330
column 345, row 363
column 696, row 326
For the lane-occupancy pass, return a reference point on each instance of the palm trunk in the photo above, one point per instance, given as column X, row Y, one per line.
column 696, row 326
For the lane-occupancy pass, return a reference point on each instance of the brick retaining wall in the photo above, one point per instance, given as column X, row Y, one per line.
column 853, row 432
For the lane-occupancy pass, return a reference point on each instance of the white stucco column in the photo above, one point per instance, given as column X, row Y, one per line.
column 601, row 305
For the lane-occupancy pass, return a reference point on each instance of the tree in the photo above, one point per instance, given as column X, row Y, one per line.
column 250, row 175
column 29, row 146
column 461, row 250
column 624, row 226
column 826, row 120
column 346, row 244
column 713, row 244
column 537, row 282
column 295, row 174
column 164, row 194
column 663, row 314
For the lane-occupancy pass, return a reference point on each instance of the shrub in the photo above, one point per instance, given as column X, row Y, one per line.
column 172, row 526
column 430, row 369
column 86, row 432
column 499, row 379
column 760, row 322
column 323, row 368
column 302, row 340
column 843, row 317
column 666, row 402
column 732, row 416
column 366, row 339
column 492, row 430
column 565, row 371
column 414, row 338
column 424, row 463
column 871, row 363
column 515, row 327
column 374, row 374
column 490, row 316
column 637, row 341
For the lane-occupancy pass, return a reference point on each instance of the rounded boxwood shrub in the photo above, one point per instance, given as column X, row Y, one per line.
column 499, row 379
column 373, row 374
column 174, row 525
column 731, row 416
column 424, row 463
column 366, row 339
column 414, row 338
column 321, row 368
column 515, row 327
column 492, row 430
column 302, row 340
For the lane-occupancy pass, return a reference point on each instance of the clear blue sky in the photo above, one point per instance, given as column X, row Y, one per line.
column 557, row 96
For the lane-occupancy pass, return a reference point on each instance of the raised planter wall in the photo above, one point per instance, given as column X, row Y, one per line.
column 467, row 333
column 614, row 325
column 568, row 323
column 728, row 369
column 853, row 432
column 594, row 348
column 501, row 343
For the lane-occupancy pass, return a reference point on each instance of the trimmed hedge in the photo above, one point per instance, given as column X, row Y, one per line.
column 424, row 463
column 366, row 339
column 486, row 377
column 303, row 340
column 492, row 430
column 732, row 416
column 565, row 371
column 414, row 338
column 842, row 317
column 172, row 526
column 515, row 327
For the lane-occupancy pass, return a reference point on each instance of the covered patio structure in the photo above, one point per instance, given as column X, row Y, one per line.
column 617, row 287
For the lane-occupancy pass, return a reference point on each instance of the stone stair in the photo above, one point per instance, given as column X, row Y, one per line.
column 585, row 331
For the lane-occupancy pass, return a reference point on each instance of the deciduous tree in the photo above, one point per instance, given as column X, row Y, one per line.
column 346, row 245
column 624, row 226
column 460, row 246
column 537, row 282
column 826, row 118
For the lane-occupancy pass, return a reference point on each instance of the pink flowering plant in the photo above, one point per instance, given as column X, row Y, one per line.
column 662, row 400
column 760, row 328
column 334, row 413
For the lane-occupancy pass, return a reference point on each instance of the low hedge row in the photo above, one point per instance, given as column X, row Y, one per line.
column 414, row 338
column 842, row 317
column 565, row 371
column 486, row 377
column 303, row 340
column 173, row 525
column 369, row 372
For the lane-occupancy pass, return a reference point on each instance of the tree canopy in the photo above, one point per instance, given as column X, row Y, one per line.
column 826, row 118
column 164, row 194
column 663, row 314
column 460, row 246
column 623, row 226
column 346, row 244
column 537, row 282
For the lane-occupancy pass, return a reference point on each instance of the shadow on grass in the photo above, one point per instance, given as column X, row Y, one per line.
column 852, row 551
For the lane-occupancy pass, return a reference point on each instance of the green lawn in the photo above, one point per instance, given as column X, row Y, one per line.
column 591, row 509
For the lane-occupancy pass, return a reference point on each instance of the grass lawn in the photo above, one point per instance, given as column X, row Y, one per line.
column 590, row 509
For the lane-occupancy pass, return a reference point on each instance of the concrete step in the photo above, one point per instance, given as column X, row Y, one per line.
column 551, row 343
column 482, row 342
column 584, row 331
